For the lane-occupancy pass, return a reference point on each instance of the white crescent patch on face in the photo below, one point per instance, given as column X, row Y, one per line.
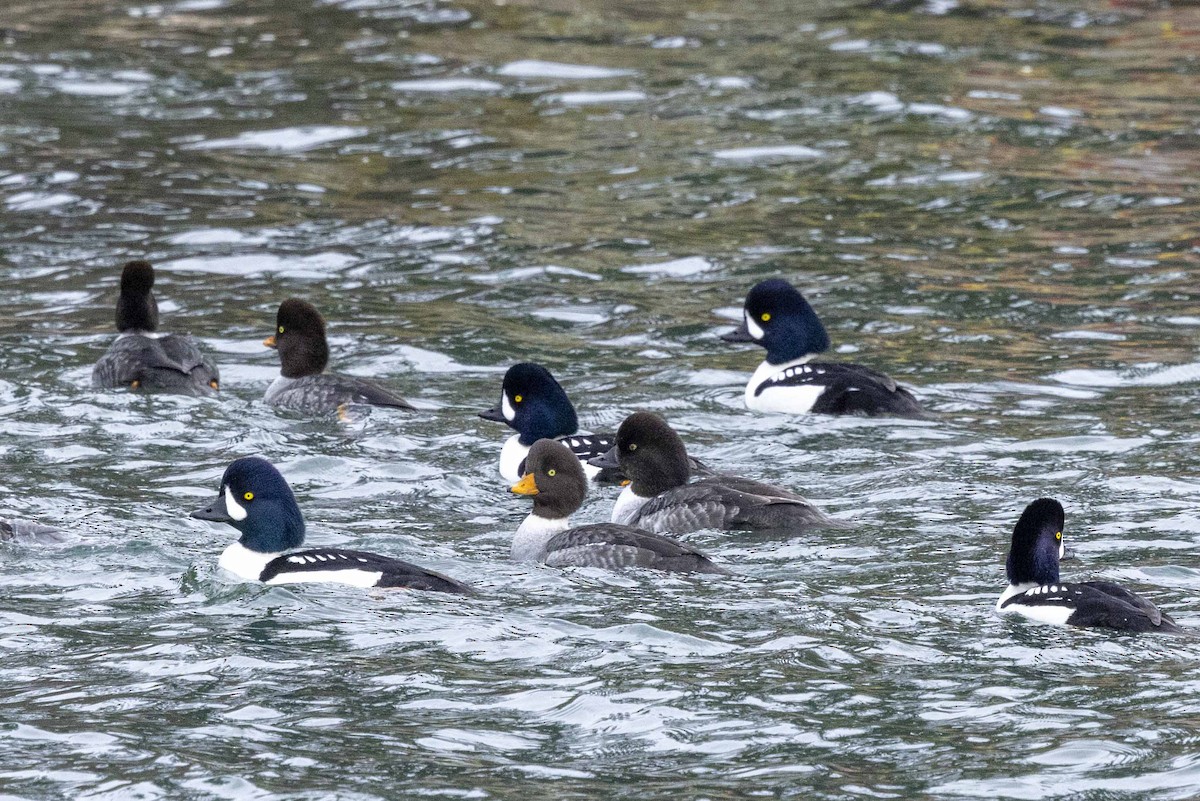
column 506, row 406
column 236, row 510
column 753, row 327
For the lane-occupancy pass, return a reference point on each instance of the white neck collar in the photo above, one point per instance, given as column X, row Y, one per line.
column 529, row 543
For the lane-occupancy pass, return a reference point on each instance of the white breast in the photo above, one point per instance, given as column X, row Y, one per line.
column 627, row 506
column 529, row 543
column 511, row 456
column 1056, row 614
column 782, row 400
column 277, row 386
column 243, row 562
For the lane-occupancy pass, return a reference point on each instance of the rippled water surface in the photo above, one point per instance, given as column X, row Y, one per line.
column 994, row 201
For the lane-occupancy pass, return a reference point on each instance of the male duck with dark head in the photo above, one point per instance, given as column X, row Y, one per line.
column 556, row 480
column 659, row 497
column 256, row 500
column 534, row 404
column 777, row 317
column 303, row 385
column 141, row 358
column 1034, row 589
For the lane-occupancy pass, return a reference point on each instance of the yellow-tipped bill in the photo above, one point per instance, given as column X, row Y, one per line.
column 526, row 486
column 269, row 341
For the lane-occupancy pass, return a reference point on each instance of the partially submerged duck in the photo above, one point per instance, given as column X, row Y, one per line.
column 777, row 317
column 660, row 498
column 256, row 500
column 303, row 385
column 1034, row 590
column 140, row 357
column 558, row 485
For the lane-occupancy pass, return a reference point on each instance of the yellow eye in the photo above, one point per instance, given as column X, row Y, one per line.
column 551, row 472
column 518, row 399
column 1058, row 536
column 633, row 446
column 281, row 329
column 248, row 496
column 766, row 317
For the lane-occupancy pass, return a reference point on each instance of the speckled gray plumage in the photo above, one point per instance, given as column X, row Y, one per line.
column 655, row 459
column 561, row 487
column 326, row 392
column 730, row 502
column 611, row 546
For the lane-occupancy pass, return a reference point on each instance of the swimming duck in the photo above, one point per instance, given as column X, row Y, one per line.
column 139, row 358
column 1034, row 589
column 256, row 500
column 556, row 480
column 303, row 385
column 16, row 529
column 534, row 404
column 659, row 497
column 777, row 317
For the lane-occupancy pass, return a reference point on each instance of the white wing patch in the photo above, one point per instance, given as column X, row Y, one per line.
column 353, row 576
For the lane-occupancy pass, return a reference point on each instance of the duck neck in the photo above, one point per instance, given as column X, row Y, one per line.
column 529, row 543
column 243, row 562
column 628, row 504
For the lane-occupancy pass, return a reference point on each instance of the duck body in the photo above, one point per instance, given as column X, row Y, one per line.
column 333, row 566
column 777, row 317
column 728, row 503
column 535, row 405
column 256, row 500
column 141, row 358
column 801, row 386
column 329, row 392
column 16, row 529
column 558, row 484
column 662, row 498
column 1035, row 591
column 303, row 385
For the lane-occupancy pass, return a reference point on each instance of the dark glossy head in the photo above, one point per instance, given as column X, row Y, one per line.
column 136, row 308
column 533, row 404
column 778, row 317
column 300, row 337
column 649, row 453
column 255, row 499
column 1037, row 544
column 555, row 479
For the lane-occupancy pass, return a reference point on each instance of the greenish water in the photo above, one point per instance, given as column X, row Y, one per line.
column 995, row 202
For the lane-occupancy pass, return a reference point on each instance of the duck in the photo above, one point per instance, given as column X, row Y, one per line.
column 255, row 499
column 777, row 317
column 140, row 357
column 660, row 498
column 16, row 529
column 1034, row 590
column 303, row 385
column 535, row 405
column 556, row 480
